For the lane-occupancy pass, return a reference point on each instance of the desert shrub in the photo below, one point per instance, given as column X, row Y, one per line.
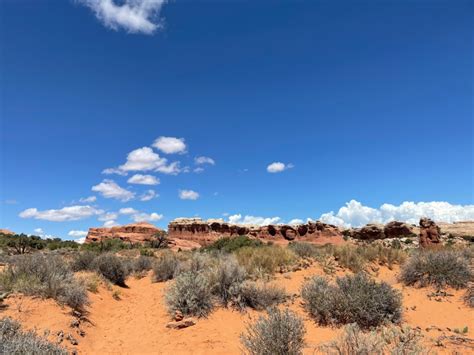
column 469, row 296
column 15, row 341
column 196, row 262
column 391, row 340
column 147, row 252
column 226, row 277
column 165, row 266
column 258, row 296
column 46, row 276
column 279, row 333
column 112, row 268
column 83, row 261
column 353, row 299
column 348, row 257
column 110, row 245
column 231, row 244
column 142, row 263
column 439, row 268
column 304, row 250
column 264, row 260
column 190, row 294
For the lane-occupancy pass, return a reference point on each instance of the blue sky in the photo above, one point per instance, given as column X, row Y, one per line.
column 368, row 101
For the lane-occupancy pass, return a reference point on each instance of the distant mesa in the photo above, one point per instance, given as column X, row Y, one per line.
column 133, row 233
column 7, row 232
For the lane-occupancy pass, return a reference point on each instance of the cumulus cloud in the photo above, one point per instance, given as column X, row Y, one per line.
column 39, row 230
column 77, row 233
column 144, row 159
column 70, row 213
column 296, row 221
column 133, row 16
column 278, row 167
column 188, row 195
column 143, row 180
column 108, row 216
column 355, row 214
column 110, row 189
column 145, row 217
column 149, row 195
column 128, row 210
column 204, row 160
column 170, row 145
column 110, row 223
column 89, row 199
column 260, row 221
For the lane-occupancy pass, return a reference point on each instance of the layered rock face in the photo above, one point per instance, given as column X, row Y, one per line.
column 206, row 232
column 133, row 233
column 429, row 233
column 392, row 229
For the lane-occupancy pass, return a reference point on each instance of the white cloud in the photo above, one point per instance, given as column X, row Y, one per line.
column 188, row 195
column 77, row 233
column 278, row 167
column 149, row 195
column 143, row 180
column 70, row 213
column 110, row 171
column 142, row 159
column 172, row 169
column 109, row 189
column 354, row 214
column 170, row 145
column 198, row 170
column 39, row 230
column 260, row 221
column 296, row 221
column 108, row 216
column 204, row 160
column 134, row 16
column 145, row 217
column 89, row 199
column 127, row 210
column 81, row 240
column 110, row 223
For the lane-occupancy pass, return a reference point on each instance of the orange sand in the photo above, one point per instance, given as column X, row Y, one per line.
column 136, row 324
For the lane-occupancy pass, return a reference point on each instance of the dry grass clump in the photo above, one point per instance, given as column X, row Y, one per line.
column 439, row 268
column 353, row 299
column 392, row 340
column 305, row 250
column 265, row 260
column 165, row 266
column 190, row 294
column 258, row 296
column 15, row 341
column 46, row 276
column 279, row 333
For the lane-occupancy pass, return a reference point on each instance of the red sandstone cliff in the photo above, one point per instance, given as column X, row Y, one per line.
column 133, row 233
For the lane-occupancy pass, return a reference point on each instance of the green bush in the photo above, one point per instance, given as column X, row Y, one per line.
column 439, row 268
column 14, row 341
column 279, row 333
column 165, row 266
column 259, row 296
column 112, row 268
column 231, row 244
column 354, row 299
column 46, row 276
column 190, row 294
column 24, row 244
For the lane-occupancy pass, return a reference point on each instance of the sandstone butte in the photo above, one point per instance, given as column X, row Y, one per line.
column 189, row 233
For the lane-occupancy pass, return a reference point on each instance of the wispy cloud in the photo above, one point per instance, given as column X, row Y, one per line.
column 143, row 180
column 204, row 160
column 148, row 195
column 133, row 16
column 70, row 213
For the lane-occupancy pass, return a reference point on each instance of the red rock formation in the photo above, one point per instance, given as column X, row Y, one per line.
column 6, row 232
column 206, row 232
column 397, row 229
column 133, row 233
column 368, row 232
column 429, row 233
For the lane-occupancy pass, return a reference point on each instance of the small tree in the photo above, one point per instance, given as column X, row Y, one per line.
column 159, row 240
